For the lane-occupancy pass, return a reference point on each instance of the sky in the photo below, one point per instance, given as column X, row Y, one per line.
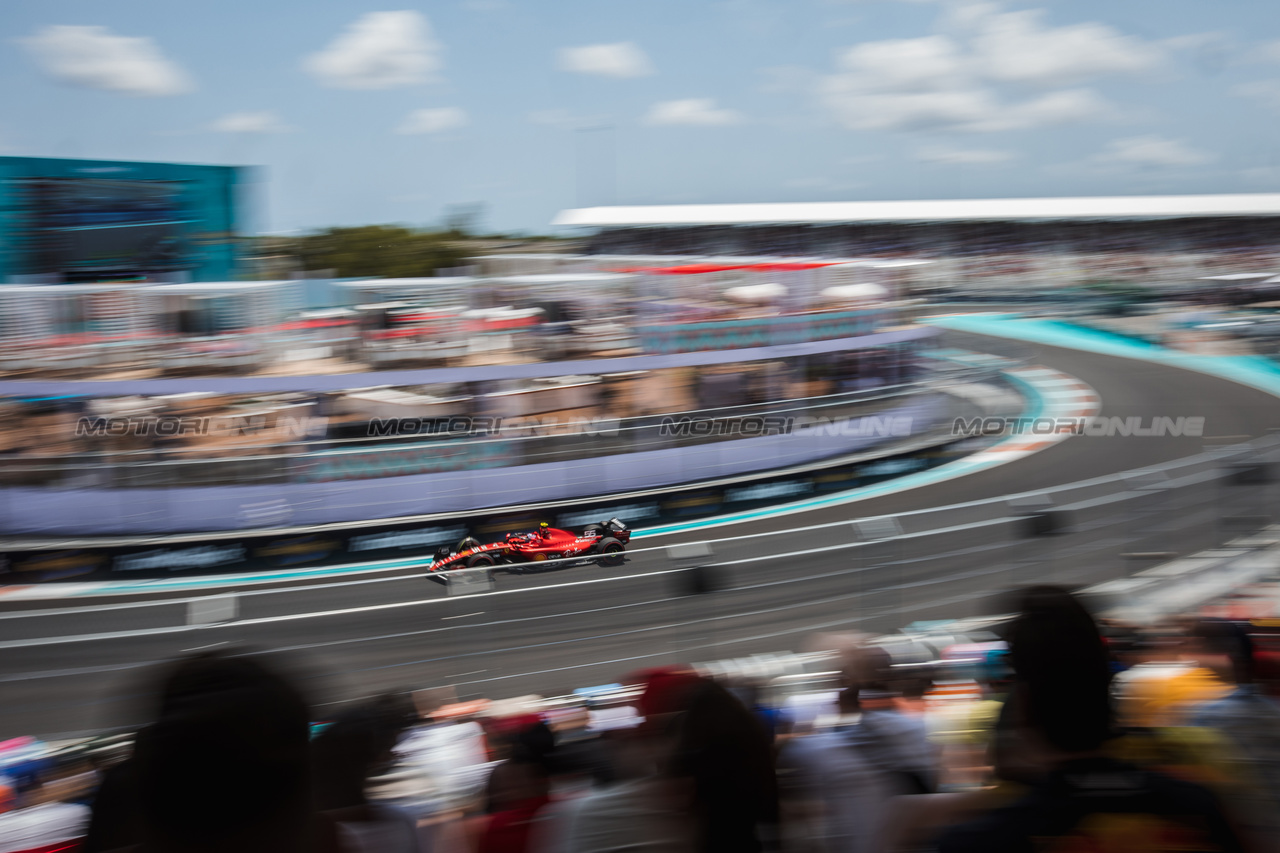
column 376, row 112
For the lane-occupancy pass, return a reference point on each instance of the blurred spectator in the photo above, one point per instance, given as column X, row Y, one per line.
column 226, row 764
column 645, row 812
column 723, row 752
column 447, row 755
column 830, row 791
column 1250, row 722
column 40, row 817
column 115, row 820
column 750, row 692
column 1164, row 682
column 356, row 746
column 581, row 752
column 896, row 743
column 838, row 781
column 964, row 726
column 1084, row 799
column 518, row 788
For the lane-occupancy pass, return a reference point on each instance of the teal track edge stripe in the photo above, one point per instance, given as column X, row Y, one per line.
column 1251, row 370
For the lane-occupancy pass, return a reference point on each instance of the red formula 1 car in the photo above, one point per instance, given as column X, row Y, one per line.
column 601, row 543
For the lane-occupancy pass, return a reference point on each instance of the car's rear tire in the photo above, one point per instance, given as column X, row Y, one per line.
column 611, row 551
column 481, row 560
column 466, row 542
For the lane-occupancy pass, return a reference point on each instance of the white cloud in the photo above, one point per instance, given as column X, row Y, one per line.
column 435, row 120
column 1064, row 107
column 263, row 121
column 958, row 109
column 622, row 59
column 381, row 50
column 962, row 16
column 905, row 65
column 942, row 154
column 1151, row 151
column 974, row 109
column 1014, row 46
column 97, row 58
column 691, row 111
column 975, row 76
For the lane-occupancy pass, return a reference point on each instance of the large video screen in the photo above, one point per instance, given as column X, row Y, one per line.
column 101, row 226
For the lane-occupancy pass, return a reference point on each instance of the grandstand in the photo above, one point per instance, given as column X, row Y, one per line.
column 979, row 243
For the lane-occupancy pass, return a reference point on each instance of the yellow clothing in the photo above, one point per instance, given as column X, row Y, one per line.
column 1155, row 695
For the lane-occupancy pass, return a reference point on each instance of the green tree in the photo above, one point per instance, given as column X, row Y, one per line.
column 384, row 251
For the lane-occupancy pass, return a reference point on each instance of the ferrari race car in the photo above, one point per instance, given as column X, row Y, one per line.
column 601, row 543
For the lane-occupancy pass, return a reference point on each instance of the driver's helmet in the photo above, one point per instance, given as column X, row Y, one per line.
column 544, row 530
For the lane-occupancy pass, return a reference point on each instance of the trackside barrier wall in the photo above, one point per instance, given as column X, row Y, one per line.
column 104, row 511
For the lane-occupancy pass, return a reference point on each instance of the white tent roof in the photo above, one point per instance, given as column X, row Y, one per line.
column 865, row 290
column 756, row 292
column 1105, row 207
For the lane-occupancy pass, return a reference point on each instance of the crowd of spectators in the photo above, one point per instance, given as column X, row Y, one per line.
column 1068, row 736
column 1232, row 235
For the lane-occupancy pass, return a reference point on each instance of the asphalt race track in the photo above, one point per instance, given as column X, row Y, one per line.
column 81, row 666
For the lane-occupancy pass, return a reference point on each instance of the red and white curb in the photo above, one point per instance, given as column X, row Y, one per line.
column 1065, row 397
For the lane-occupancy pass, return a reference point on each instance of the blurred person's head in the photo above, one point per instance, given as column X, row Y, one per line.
column 227, row 762
column 1226, row 649
column 724, row 752
column 871, row 667
column 664, row 691
column 912, row 687
column 352, row 748
column 866, row 678
column 1061, row 671
column 534, row 744
column 503, row 733
column 664, row 695
column 396, row 710
column 526, row 771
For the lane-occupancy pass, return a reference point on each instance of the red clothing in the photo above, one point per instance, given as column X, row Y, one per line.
column 508, row 831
